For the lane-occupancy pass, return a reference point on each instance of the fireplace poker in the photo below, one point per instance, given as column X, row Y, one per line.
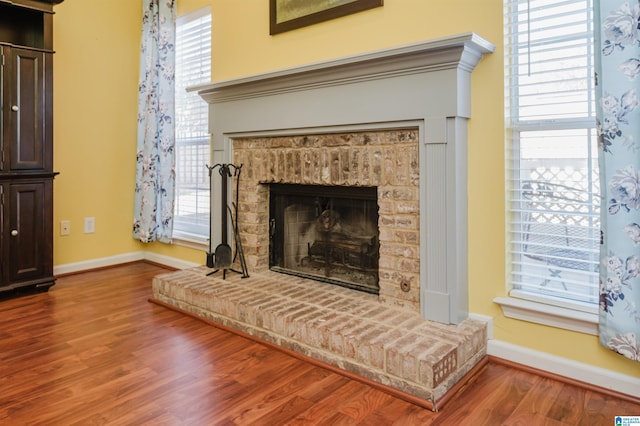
column 234, row 222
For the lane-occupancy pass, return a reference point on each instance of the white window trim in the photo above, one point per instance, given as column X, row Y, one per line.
column 579, row 317
column 191, row 16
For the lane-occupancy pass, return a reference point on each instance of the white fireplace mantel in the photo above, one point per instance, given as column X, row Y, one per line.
column 425, row 85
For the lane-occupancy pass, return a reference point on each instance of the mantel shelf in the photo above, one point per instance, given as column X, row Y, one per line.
column 459, row 51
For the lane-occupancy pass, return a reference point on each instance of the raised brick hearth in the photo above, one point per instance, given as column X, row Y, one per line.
column 344, row 328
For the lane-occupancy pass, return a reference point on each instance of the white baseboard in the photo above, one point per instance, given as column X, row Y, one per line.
column 98, row 263
column 122, row 258
column 171, row 262
column 601, row 377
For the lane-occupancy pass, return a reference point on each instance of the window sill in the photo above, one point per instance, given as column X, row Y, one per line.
column 190, row 240
column 582, row 318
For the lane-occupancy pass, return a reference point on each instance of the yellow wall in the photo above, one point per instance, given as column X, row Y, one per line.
column 95, row 108
column 96, row 75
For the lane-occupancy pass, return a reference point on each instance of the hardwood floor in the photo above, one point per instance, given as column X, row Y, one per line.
column 94, row 351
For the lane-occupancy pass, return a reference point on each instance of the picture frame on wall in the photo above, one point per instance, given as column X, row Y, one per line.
column 286, row 15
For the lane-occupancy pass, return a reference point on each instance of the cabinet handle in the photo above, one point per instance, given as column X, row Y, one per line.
column 15, row 108
column 14, row 233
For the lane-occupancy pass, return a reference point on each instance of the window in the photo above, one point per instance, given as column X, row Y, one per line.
column 553, row 188
column 193, row 67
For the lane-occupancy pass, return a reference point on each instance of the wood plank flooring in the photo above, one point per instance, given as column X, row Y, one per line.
column 94, row 351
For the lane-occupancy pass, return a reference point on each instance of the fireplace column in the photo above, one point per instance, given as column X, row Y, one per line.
column 443, row 202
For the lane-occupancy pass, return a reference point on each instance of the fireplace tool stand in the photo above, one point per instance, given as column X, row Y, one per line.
column 221, row 258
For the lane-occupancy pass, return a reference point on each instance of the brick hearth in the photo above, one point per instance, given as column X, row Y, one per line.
column 347, row 329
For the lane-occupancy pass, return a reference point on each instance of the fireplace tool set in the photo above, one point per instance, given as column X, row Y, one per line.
column 223, row 257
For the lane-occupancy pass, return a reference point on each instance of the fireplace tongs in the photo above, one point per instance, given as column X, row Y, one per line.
column 222, row 258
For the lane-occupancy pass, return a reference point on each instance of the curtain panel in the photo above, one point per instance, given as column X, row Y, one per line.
column 155, row 172
column 618, row 121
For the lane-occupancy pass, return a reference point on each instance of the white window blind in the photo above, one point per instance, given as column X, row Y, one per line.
column 193, row 67
column 553, row 188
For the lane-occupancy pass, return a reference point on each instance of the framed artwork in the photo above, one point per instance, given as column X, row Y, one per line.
column 287, row 15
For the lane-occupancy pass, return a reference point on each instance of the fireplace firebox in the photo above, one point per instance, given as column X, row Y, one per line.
column 325, row 233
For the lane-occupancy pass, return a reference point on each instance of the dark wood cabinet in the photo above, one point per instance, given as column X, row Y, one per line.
column 26, row 144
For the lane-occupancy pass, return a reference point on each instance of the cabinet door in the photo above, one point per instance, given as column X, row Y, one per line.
column 4, row 232
column 30, row 240
column 25, row 105
column 6, row 112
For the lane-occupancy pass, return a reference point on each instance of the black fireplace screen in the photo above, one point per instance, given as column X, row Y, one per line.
column 326, row 233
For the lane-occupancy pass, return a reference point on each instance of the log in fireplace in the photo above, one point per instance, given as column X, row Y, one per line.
column 325, row 233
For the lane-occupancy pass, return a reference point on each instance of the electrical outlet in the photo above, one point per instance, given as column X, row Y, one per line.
column 89, row 225
column 65, row 227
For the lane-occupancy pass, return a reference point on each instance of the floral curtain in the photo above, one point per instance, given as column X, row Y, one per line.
column 155, row 173
column 617, row 77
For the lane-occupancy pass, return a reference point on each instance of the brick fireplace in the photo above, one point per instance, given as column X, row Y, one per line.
column 382, row 159
column 420, row 92
column 393, row 120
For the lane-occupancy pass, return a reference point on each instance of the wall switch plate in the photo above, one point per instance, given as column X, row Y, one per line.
column 89, row 225
column 65, row 227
